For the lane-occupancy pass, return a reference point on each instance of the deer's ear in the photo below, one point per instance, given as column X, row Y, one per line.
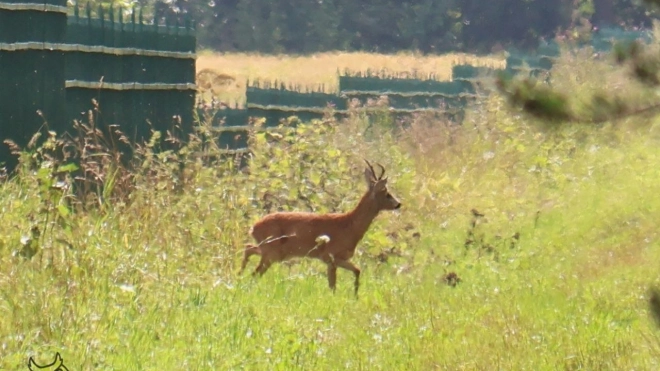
column 380, row 185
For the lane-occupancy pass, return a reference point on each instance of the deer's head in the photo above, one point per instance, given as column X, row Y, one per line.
column 378, row 189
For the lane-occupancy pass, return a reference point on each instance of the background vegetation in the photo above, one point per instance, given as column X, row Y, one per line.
column 429, row 26
column 120, row 267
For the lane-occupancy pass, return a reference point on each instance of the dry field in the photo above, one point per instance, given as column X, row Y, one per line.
column 225, row 75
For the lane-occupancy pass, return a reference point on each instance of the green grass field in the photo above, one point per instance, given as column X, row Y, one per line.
column 554, row 276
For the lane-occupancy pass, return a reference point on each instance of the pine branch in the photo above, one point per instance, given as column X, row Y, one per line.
column 654, row 305
column 535, row 98
column 541, row 101
column 655, row 3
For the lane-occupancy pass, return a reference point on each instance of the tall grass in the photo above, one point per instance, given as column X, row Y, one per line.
column 517, row 248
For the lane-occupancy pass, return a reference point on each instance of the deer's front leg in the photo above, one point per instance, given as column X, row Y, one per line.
column 332, row 275
column 351, row 267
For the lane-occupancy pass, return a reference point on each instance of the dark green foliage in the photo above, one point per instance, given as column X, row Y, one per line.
column 643, row 65
column 651, row 2
column 541, row 101
column 604, row 107
column 518, row 21
column 535, row 98
column 627, row 11
column 429, row 26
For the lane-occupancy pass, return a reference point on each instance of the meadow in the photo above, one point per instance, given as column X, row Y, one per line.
column 519, row 246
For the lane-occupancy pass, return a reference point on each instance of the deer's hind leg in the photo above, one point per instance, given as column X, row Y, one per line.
column 263, row 266
column 271, row 251
column 247, row 253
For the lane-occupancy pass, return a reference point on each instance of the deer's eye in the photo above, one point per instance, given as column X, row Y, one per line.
column 389, row 195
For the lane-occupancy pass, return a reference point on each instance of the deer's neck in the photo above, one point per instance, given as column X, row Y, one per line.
column 363, row 215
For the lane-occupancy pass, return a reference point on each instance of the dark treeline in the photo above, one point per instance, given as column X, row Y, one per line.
column 306, row 26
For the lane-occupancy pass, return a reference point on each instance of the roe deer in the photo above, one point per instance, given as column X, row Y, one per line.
column 331, row 238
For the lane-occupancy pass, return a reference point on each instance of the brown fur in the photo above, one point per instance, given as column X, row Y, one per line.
column 285, row 235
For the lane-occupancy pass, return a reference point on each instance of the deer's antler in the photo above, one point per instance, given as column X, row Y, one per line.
column 383, row 171
column 373, row 173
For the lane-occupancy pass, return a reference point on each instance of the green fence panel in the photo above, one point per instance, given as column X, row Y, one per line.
column 229, row 127
column 548, row 49
column 232, row 139
column 619, row 34
column 31, row 69
column 421, row 103
column 545, row 62
column 350, row 85
column 601, row 45
column 443, row 89
column 290, row 98
column 229, row 117
column 604, row 40
column 147, row 72
column 277, row 103
column 142, row 75
column 516, row 61
column 273, row 117
column 406, row 96
column 470, row 72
